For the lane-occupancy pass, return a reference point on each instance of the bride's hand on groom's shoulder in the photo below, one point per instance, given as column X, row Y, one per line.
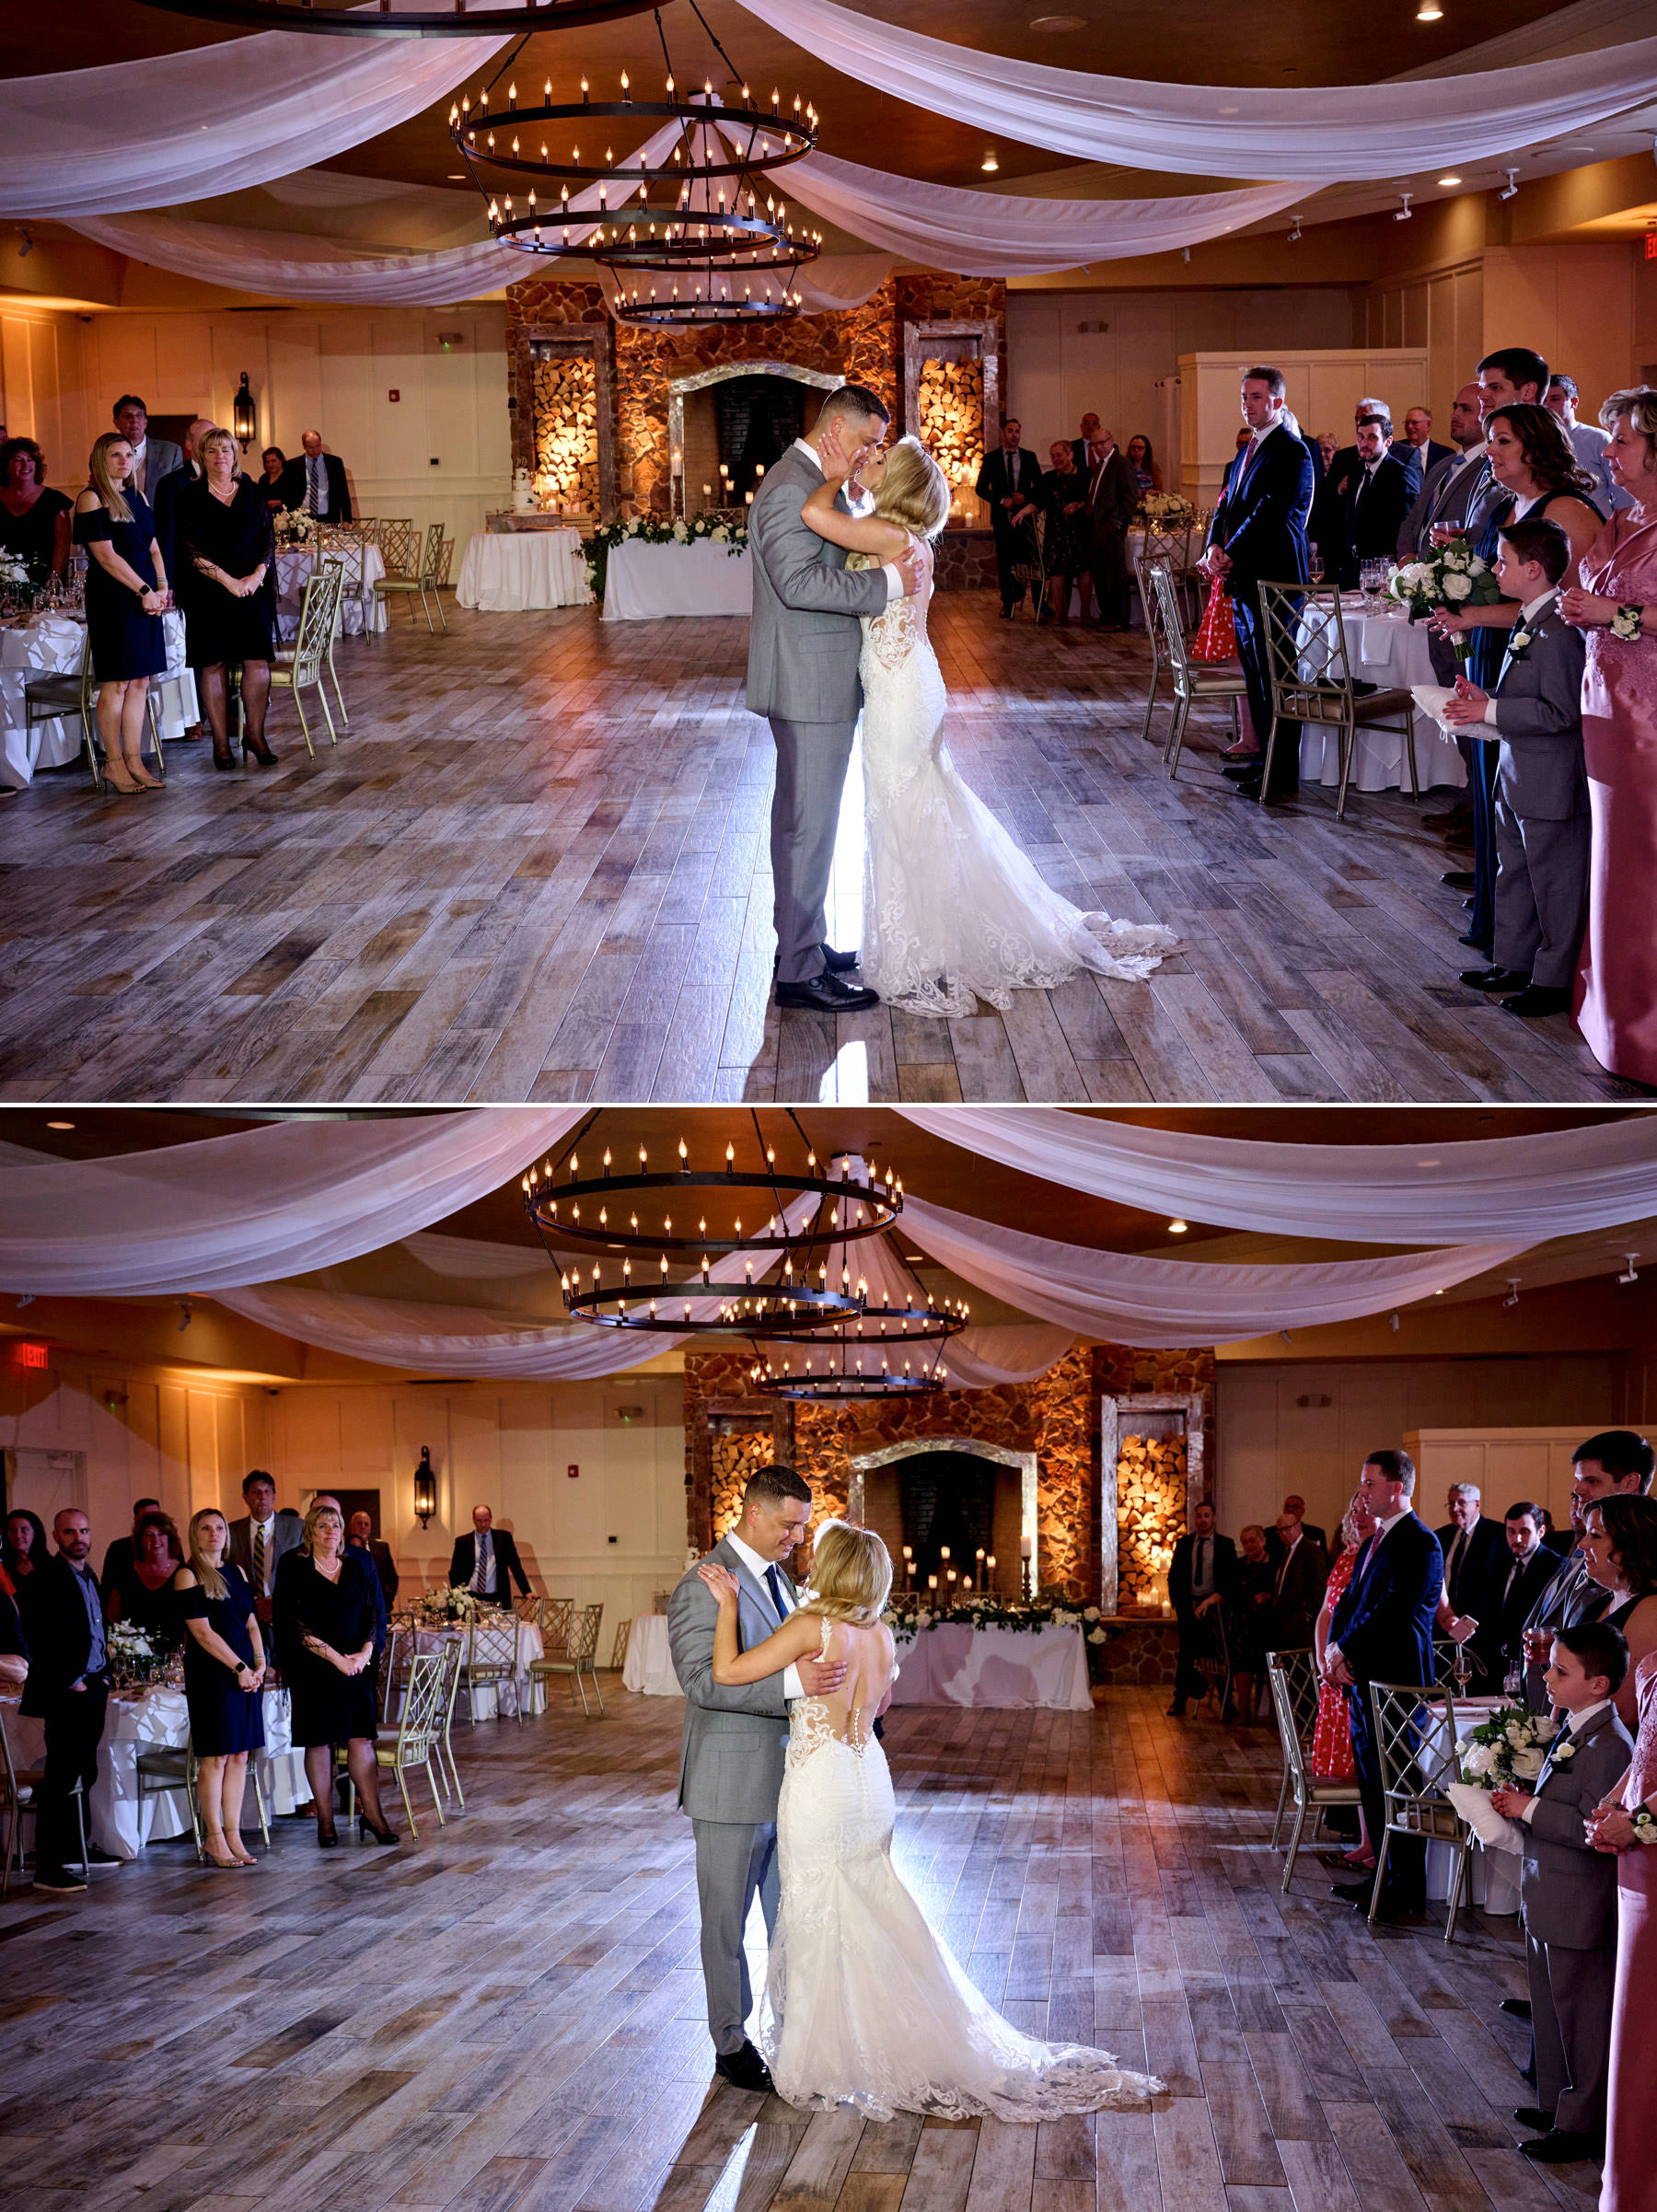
column 720, row 1580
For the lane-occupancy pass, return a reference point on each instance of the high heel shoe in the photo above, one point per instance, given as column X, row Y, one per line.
column 327, row 1838
column 226, row 761
column 366, row 1831
column 261, row 752
column 122, row 791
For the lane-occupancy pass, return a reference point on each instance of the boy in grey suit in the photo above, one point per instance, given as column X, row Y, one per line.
column 1569, row 1894
column 805, row 641
column 731, row 1763
column 1542, row 823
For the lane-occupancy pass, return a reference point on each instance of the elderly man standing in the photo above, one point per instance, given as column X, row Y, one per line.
column 68, row 1691
column 153, row 458
column 316, row 481
column 487, row 1561
column 1112, row 497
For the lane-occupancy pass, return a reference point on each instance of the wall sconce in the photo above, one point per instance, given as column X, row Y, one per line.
column 244, row 417
column 425, row 1486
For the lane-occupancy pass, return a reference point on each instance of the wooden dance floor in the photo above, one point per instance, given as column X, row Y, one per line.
column 507, row 2016
column 537, row 869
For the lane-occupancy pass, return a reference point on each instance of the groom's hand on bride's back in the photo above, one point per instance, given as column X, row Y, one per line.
column 821, row 1677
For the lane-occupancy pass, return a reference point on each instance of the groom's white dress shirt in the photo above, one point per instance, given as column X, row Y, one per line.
column 894, row 591
column 791, row 1684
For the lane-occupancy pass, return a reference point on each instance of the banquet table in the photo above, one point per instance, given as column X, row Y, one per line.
column 642, row 582
column 519, row 1694
column 1007, row 1668
column 649, row 1664
column 1493, row 1877
column 359, row 612
column 511, row 571
column 52, row 644
column 1387, row 650
column 158, row 1718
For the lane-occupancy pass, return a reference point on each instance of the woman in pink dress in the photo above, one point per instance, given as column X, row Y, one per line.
column 1615, row 604
column 1332, row 1758
column 1631, row 2181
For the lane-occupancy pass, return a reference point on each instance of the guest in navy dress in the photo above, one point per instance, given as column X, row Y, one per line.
column 325, row 1633
column 126, row 597
column 224, row 1667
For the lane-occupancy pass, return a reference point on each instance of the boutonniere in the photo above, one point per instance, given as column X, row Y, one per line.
column 1517, row 643
column 1563, row 1751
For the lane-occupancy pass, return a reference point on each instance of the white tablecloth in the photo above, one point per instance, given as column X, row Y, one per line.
column 509, row 572
column 51, row 645
column 649, row 1665
column 518, row 1695
column 160, row 1720
column 644, row 582
column 1388, row 650
column 358, row 611
column 953, row 1664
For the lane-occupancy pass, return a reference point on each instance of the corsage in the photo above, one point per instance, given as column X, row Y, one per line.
column 1625, row 623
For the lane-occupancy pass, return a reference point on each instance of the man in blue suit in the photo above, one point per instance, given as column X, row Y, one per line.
column 1258, row 534
column 1383, row 1632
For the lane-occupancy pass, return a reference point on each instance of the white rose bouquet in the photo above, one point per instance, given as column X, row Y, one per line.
column 12, row 570
column 1509, row 1750
column 1455, row 577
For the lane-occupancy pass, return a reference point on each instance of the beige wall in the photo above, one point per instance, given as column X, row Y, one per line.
column 133, row 1430
column 1267, row 1443
column 1573, row 302
column 331, row 369
column 1443, row 311
column 1324, row 387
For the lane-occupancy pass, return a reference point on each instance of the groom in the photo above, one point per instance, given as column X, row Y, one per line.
column 804, row 645
column 731, row 1767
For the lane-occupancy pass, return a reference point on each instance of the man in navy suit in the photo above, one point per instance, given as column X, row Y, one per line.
column 1383, row 1632
column 1258, row 534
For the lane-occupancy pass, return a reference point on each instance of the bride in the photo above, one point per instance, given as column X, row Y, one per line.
column 863, row 2005
column 953, row 910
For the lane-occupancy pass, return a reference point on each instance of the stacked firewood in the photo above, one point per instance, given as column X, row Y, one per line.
column 566, row 434
column 1150, row 1514
column 950, row 412
column 734, row 1457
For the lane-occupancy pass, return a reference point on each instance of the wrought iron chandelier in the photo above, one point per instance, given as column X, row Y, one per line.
column 670, row 1238
column 676, row 223
column 860, row 1360
column 440, row 19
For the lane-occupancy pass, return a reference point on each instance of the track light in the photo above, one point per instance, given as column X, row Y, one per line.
column 1294, row 234
column 1184, row 253
column 1512, row 186
column 1287, row 1335
column 27, row 1298
column 1392, row 1323
column 185, row 1315
column 1512, row 1296
column 1633, row 1273
column 1403, row 215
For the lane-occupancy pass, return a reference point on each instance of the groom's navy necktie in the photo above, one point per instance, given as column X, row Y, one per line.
column 773, row 1582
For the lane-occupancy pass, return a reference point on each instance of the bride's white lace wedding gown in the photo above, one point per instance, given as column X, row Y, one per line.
column 864, row 2005
column 952, row 909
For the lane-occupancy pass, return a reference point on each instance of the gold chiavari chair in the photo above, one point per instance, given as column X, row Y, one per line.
column 301, row 669
column 397, row 539
column 580, row 1660
column 416, row 1738
column 531, row 1609
column 1193, row 681
column 555, row 1626
column 1309, row 660
column 1295, row 1687
column 453, row 1653
column 618, row 1649
column 1416, row 1749
column 491, row 1656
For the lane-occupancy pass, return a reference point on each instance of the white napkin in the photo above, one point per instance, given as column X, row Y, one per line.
column 1431, row 699
column 1493, row 1829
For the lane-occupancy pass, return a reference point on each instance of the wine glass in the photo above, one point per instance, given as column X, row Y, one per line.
column 1315, row 568
column 1372, row 581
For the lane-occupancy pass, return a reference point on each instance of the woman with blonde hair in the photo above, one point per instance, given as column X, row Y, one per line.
column 228, row 586
column 224, row 1668
column 126, row 597
column 325, row 1621
column 864, row 2005
column 953, row 910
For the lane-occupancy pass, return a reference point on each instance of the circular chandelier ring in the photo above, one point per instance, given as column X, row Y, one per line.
column 668, row 313
column 555, row 1214
column 738, row 255
column 828, row 1389
column 349, row 18
column 931, row 1325
column 798, row 140
column 747, row 1313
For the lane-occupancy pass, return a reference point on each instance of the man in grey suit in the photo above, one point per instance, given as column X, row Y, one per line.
column 731, row 1764
column 1542, row 825
column 1449, row 484
column 1568, row 1891
column 804, row 646
column 151, row 458
column 259, row 1537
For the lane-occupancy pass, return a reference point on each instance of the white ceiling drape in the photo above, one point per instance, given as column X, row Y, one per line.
column 282, row 1199
column 1557, row 1183
column 182, row 126
column 1315, row 133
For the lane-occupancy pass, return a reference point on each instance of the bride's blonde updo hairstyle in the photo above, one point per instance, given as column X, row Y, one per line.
column 913, row 490
column 850, row 1574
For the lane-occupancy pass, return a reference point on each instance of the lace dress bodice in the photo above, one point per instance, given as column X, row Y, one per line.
column 814, row 1722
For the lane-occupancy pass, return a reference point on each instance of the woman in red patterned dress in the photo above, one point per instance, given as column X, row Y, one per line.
column 1332, row 1739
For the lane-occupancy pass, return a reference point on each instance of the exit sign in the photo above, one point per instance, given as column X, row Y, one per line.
column 1650, row 237
column 24, row 1354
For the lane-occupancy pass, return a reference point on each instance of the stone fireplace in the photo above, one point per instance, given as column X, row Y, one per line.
column 956, row 1503
column 744, row 415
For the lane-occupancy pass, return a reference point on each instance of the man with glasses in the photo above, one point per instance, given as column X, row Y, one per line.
column 68, row 1691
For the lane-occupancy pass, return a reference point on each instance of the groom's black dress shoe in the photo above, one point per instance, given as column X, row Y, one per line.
column 1494, row 978
column 1537, row 1000
column 1533, row 2116
column 1517, row 2007
column 1563, row 2146
column 836, row 964
column 1459, row 879
column 827, row 994
column 745, row 2070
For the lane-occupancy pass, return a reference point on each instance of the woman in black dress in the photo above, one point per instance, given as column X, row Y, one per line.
column 34, row 520
column 1250, row 1616
column 1065, row 551
column 23, row 1547
column 224, row 1667
column 324, row 1620
column 126, row 597
column 227, row 587
column 141, row 1588
column 274, row 461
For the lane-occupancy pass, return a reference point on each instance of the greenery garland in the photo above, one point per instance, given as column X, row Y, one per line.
column 661, row 529
column 1051, row 1609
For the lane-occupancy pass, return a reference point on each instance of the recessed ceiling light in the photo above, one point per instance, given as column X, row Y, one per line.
column 1449, row 179
column 1058, row 22
column 1429, row 12
column 989, row 164
column 60, row 1125
column 1177, row 1227
column 457, row 175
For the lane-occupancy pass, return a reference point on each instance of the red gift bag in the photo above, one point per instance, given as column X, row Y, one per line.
column 1216, row 638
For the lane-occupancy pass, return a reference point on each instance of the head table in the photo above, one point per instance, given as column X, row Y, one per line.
column 52, row 644
column 156, row 1718
column 642, row 582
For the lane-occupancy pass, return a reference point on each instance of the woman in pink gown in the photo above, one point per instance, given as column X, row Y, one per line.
column 1615, row 604
column 1630, row 2181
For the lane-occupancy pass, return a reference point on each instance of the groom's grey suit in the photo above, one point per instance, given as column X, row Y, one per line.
column 730, row 1773
column 803, row 644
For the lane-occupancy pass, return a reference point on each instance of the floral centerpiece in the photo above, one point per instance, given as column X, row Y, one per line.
column 1507, row 1751
column 911, row 1612
column 133, row 1655
column 1454, row 577
column 292, row 527
column 1168, row 508
column 456, row 1603
column 660, row 530
column 12, row 570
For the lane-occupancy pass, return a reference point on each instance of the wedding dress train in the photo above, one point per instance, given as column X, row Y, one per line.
column 953, row 910
column 863, row 2005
